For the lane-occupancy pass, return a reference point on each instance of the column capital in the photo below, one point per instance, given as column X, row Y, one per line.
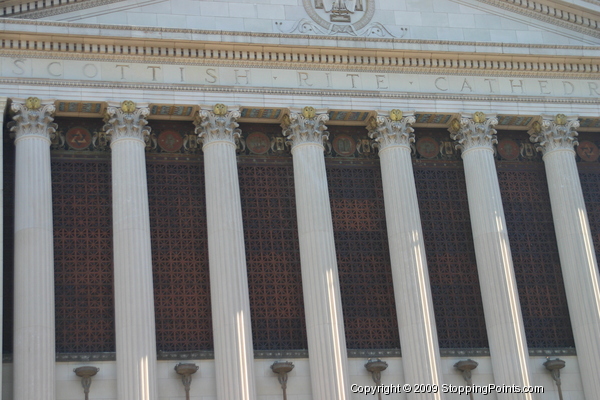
column 33, row 117
column 554, row 133
column 305, row 126
column 393, row 129
column 474, row 130
column 218, row 124
column 127, row 122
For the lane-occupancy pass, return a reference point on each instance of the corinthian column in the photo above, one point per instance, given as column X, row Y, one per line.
column 134, row 296
column 232, row 332
column 475, row 136
column 555, row 138
column 34, row 354
column 320, row 282
column 418, row 335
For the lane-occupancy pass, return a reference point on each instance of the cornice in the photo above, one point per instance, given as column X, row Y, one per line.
column 297, row 92
column 236, row 37
column 419, row 62
column 565, row 17
column 47, row 8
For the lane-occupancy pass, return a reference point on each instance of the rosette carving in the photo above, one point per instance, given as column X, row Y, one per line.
column 32, row 119
column 392, row 130
column 475, row 130
column 554, row 133
column 218, row 124
column 306, row 126
column 127, row 122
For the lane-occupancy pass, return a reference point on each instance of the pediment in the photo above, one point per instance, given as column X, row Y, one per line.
column 560, row 22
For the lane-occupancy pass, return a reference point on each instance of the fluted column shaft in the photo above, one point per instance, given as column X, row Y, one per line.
column 134, row 294
column 34, row 354
column 232, row 331
column 412, row 291
column 504, row 322
column 320, row 281
column 3, row 101
column 575, row 247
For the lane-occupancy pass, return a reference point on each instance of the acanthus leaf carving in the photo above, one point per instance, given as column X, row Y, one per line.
column 554, row 133
column 217, row 125
column 127, row 122
column 34, row 121
column 392, row 131
column 472, row 131
column 307, row 126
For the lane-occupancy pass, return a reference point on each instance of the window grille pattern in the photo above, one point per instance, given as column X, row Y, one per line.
column 444, row 210
column 83, row 257
column 273, row 256
column 590, row 185
column 363, row 256
column 8, row 250
column 536, row 262
column 179, row 255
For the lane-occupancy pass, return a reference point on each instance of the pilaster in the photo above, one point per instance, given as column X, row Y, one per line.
column 306, row 131
column 133, row 287
column 555, row 137
column 475, row 136
column 34, row 326
column 234, row 357
column 3, row 101
column 418, row 335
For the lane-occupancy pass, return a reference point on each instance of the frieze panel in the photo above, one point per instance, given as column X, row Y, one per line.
column 365, row 73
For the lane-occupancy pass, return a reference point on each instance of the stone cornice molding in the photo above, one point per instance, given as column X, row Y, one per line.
column 218, row 124
column 555, row 133
column 565, row 17
column 300, row 57
column 474, row 131
column 32, row 119
column 127, row 122
column 306, row 126
column 46, row 8
column 393, row 129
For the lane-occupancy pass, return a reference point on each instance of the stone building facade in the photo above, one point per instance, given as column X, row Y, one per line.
column 327, row 183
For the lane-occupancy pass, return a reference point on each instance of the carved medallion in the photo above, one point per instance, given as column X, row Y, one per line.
column 258, row 143
column 588, row 151
column 344, row 145
column 170, row 141
column 78, row 138
column 428, row 147
column 508, row 149
column 340, row 16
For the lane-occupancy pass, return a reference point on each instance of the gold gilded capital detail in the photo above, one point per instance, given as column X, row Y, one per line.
column 31, row 118
column 472, row 131
column 218, row 124
column 305, row 126
column 557, row 132
column 127, row 122
column 394, row 129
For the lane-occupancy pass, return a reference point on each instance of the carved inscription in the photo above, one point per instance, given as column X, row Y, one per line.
column 296, row 79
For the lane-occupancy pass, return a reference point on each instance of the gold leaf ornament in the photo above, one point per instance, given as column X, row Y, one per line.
column 128, row 106
column 455, row 125
column 479, row 117
column 560, row 119
column 33, row 103
column 309, row 112
column 396, row 115
column 220, row 109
